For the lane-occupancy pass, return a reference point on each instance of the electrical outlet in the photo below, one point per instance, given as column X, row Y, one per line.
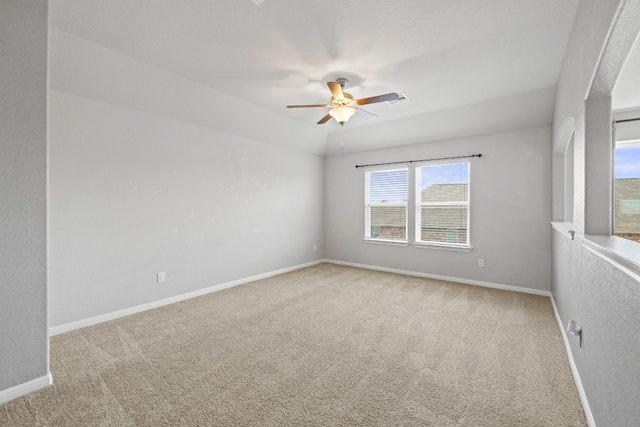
column 481, row 263
column 161, row 277
column 315, row 248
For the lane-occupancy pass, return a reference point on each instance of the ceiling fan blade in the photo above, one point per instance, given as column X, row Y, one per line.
column 325, row 119
column 380, row 98
column 336, row 89
column 365, row 114
column 309, row 106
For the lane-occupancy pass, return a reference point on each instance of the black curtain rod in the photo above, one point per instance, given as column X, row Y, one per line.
column 628, row 120
column 418, row 161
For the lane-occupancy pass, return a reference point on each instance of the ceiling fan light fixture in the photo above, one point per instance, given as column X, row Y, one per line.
column 342, row 114
column 343, row 106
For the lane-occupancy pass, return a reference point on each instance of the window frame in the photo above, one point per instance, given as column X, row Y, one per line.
column 368, row 205
column 418, row 205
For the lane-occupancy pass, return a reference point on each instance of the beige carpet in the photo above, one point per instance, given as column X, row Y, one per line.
column 323, row 346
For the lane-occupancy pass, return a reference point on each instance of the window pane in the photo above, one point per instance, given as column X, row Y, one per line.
column 446, row 183
column 444, row 224
column 443, row 204
column 627, row 193
column 389, row 222
column 390, row 186
column 386, row 204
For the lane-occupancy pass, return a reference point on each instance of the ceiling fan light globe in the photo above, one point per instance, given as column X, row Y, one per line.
column 342, row 114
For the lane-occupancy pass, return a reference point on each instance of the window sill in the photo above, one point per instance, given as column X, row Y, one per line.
column 386, row 242
column 622, row 253
column 443, row 247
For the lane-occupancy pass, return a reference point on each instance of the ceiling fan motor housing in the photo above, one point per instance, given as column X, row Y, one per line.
column 345, row 101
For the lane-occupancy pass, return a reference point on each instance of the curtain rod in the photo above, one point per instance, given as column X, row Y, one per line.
column 628, row 120
column 418, row 161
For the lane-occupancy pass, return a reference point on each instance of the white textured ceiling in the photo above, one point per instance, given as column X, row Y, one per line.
column 467, row 66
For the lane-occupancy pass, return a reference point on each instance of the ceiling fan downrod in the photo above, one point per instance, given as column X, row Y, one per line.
column 343, row 81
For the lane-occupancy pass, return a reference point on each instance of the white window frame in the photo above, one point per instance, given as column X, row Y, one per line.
column 419, row 205
column 368, row 205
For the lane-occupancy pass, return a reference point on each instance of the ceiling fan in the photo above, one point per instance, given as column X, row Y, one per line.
column 343, row 106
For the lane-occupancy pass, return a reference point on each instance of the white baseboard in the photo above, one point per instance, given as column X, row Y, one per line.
column 155, row 304
column 574, row 369
column 25, row 388
column 444, row 278
column 56, row 330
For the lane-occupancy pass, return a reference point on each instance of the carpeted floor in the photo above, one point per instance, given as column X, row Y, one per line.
column 323, row 346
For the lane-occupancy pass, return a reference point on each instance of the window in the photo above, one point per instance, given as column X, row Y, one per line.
column 442, row 204
column 626, row 190
column 386, row 193
column 441, row 201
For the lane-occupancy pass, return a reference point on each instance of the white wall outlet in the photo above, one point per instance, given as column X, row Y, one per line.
column 161, row 277
column 315, row 248
column 481, row 263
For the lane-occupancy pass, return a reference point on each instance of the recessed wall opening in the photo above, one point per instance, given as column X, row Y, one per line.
column 614, row 91
column 625, row 103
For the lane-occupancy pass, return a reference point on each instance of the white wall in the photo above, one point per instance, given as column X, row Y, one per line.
column 588, row 287
column 23, row 195
column 510, row 210
column 135, row 191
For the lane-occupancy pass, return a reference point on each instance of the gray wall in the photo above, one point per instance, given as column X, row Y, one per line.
column 138, row 188
column 23, row 192
column 510, row 211
column 587, row 288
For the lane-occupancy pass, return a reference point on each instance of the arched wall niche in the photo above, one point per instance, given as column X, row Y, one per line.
column 565, row 134
column 563, row 167
column 569, row 168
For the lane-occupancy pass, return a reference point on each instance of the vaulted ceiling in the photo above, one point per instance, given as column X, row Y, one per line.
column 467, row 66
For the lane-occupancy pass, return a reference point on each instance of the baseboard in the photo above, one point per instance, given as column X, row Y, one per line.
column 574, row 369
column 56, row 330
column 444, row 278
column 25, row 388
